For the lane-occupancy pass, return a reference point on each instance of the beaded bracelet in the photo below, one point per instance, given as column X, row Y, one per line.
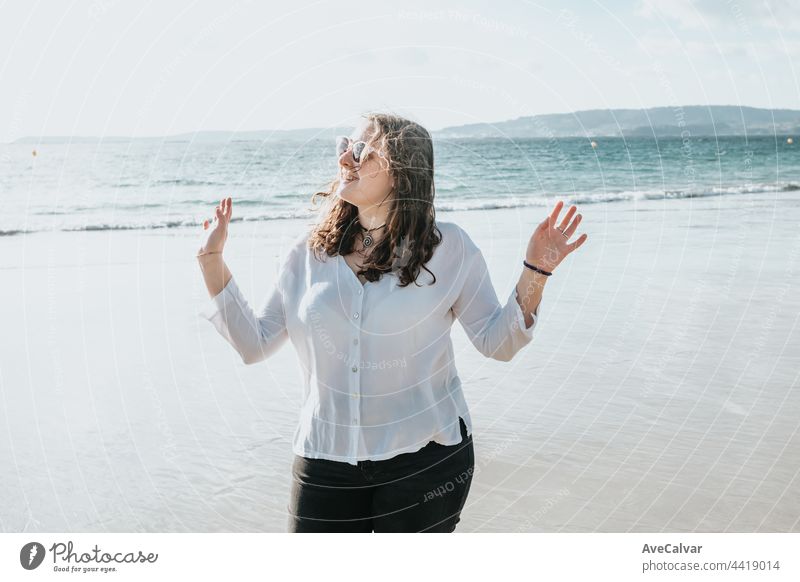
column 537, row 269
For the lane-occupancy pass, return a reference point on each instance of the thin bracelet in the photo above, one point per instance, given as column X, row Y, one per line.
column 537, row 269
column 208, row 253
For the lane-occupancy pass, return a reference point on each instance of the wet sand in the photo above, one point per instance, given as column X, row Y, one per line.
column 660, row 392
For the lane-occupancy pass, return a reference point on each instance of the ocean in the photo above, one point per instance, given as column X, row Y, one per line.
column 155, row 184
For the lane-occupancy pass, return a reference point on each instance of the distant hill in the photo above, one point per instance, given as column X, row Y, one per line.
column 706, row 120
column 697, row 120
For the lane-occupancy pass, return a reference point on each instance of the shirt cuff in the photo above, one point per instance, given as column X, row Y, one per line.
column 519, row 320
column 220, row 301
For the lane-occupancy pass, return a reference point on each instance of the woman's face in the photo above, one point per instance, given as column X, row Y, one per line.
column 372, row 179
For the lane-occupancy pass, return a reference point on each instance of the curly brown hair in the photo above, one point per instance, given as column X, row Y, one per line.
column 411, row 233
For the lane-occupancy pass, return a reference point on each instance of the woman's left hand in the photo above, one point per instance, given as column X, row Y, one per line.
column 549, row 243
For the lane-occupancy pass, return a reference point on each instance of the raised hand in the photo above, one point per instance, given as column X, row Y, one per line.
column 549, row 244
column 217, row 231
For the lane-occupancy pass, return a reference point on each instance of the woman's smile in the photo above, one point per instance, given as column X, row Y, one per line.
column 348, row 177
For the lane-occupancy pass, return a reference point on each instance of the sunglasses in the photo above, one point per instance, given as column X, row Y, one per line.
column 360, row 149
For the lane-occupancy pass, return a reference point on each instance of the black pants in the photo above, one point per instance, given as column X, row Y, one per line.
column 423, row 491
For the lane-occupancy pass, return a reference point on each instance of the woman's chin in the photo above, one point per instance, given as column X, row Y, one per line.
column 347, row 191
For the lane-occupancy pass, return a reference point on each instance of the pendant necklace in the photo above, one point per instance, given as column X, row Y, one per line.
column 368, row 240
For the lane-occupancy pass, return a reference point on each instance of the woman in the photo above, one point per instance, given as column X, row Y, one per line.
column 367, row 296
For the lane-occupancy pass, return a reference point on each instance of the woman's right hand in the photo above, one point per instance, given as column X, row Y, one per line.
column 217, row 231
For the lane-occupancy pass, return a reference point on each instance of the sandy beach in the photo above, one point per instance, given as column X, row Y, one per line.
column 660, row 392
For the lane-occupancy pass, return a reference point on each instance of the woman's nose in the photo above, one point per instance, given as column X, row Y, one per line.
column 346, row 159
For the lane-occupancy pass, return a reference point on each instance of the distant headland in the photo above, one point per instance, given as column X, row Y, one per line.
column 654, row 122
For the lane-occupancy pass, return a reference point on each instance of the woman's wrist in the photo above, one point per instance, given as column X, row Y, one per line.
column 206, row 258
column 536, row 278
column 530, row 289
column 540, row 267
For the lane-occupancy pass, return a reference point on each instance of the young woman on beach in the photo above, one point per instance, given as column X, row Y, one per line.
column 367, row 295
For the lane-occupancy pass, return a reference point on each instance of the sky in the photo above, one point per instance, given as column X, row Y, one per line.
column 108, row 67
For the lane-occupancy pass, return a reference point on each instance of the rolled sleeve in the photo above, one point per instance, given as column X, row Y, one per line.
column 254, row 335
column 220, row 302
column 518, row 322
column 497, row 331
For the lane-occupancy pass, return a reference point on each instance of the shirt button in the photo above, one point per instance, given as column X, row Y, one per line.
column 354, row 395
column 360, row 291
column 355, row 368
column 355, row 315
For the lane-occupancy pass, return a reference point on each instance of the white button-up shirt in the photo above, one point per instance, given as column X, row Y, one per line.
column 379, row 377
